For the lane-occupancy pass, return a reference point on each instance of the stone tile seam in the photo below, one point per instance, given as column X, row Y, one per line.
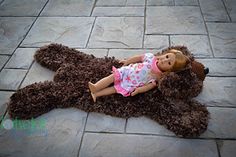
column 122, row 7
column 6, row 61
column 223, row 107
column 219, row 21
column 218, row 148
column 2, row 2
column 94, row 5
column 159, row 135
column 107, row 6
column 4, row 114
column 125, row 127
column 185, row 5
column 172, row 34
column 169, row 41
column 82, row 137
column 18, row 68
column 144, row 24
column 126, row 2
column 88, row 40
column 227, row 12
column 7, row 90
column 16, row 16
column 208, row 36
column 119, row 16
column 25, row 74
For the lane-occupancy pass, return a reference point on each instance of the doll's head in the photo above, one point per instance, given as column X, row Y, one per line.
column 172, row 60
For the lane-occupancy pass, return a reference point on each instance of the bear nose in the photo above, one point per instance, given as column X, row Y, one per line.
column 206, row 71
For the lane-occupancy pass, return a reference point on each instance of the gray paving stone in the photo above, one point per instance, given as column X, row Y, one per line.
column 163, row 20
column 186, row 2
column 70, row 31
column 104, row 123
column 222, row 36
column 197, row 44
column 37, row 73
column 146, row 126
column 22, row 58
column 121, row 145
column 160, row 2
column 231, row 7
column 68, row 8
column 100, row 53
column 222, row 123
column 10, row 79
column 156, row 41
column 135, row 2
column 4, row 98
column 117, row 32
column 118, row 11
column 110, row 2
column 218, row 92
column 227, row 148
column 3, row 60
column 213, row 10
column 57, row 133
column 126, row 53
column 12, row 31
column 220, row 67
column 21, row 8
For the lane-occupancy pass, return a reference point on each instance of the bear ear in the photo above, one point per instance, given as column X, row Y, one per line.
column 199, row 69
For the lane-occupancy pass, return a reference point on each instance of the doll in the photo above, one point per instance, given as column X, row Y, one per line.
column 139, row 74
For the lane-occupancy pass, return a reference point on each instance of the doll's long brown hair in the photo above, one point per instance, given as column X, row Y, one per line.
column 180, row 61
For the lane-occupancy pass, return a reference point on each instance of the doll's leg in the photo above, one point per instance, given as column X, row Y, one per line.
column 101, row 84
column 103, row 92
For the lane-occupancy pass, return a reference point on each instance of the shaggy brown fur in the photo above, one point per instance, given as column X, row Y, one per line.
column 170, row 105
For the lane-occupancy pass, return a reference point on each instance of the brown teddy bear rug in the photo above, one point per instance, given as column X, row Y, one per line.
column 170, row 104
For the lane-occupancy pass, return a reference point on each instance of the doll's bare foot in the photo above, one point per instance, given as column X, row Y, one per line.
column 92, row 87
column 93, row 96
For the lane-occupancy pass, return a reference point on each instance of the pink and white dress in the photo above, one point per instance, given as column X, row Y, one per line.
column 128, row 78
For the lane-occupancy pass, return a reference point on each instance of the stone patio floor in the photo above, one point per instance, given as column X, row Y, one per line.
column 119, row 28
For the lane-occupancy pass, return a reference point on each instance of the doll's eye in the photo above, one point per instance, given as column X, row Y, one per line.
column 167, row 56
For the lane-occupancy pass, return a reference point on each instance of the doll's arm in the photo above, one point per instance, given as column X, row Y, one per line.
column 143, row 89
column 134, row 59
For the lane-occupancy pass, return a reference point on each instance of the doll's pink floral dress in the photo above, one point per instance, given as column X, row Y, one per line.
column 128, row 78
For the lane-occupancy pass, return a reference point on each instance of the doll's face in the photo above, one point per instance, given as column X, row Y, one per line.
column 166, row 61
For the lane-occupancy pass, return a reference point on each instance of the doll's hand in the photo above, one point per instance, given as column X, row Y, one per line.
column 124, row 62
column 135, row 92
